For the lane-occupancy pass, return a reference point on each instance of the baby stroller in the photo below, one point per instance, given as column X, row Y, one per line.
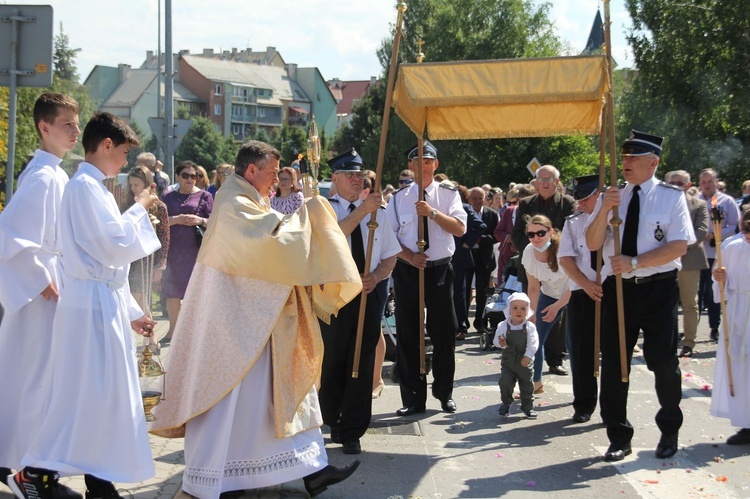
column 496, row 304
column 389, row 330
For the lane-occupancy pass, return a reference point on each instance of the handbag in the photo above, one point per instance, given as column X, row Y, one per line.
column 199, row 230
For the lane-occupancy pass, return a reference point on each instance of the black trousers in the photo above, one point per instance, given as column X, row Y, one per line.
column 581, row 334
column 461, row 297
column 554, row 347
column 482, row 282
column 346, row 402
column 652, row 308
column 441, row 327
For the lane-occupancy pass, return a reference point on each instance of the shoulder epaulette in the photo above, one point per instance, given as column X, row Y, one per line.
column 569, row 217
column 664, row 184
column 622, row 185
column 382, row 207
column 446, row 186
column 399, row 190
column 333, row 200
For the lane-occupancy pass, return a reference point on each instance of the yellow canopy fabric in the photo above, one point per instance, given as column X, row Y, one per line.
column 503, row 98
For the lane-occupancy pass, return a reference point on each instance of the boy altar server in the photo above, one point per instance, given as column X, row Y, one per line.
column 30, row 279
column 95, row 424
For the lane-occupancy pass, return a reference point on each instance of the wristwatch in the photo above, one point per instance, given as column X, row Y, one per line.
column 633, row 264
column 434, row 214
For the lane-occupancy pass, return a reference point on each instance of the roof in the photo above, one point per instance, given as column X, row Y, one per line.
column 132, row 89
column 347, row 93
column 250, row 75
column 595, row 43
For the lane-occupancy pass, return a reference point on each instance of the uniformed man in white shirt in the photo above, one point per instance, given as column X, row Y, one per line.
column 346, row 402
column 578, row 263
column 444, row 217
column 655, row 232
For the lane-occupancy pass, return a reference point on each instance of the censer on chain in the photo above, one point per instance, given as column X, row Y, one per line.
column 149, row 368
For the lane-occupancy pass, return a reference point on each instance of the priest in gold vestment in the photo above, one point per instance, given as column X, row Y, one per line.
column 247, row 351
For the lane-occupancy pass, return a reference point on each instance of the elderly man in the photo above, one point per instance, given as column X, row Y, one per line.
column 693, row 261
column 484, row 257
column 555, row 206
column 148, row 160
column 346, row 402
column 656, row 231
column 730, row 218
column 443, row 217
column 241, row 384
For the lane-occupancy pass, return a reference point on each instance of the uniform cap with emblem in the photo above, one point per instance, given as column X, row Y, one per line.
column 428, row 151
column 585, row 186
column 350, row 161
column 641, row 143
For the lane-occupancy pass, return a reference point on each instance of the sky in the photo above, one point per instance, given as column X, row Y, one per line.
column 340, row 38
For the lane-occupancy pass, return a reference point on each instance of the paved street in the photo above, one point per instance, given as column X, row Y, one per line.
column 476, row 453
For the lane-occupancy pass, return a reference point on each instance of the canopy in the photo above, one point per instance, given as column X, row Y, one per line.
column 503, row 98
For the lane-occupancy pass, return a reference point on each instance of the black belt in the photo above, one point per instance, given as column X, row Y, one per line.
column 672, row 274
column 431, row 263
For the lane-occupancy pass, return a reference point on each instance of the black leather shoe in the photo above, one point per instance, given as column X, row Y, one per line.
column 448, row 405
column 581, row 417
column 320, row 480
column 352, row 447
column 742, row 437
column 617, row 454
column 409, row 410
column 686, row 351
column 667, row 446
column 559, row 370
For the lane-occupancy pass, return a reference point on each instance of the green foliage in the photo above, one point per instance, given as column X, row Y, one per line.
column 64, row 57
column 290, row 141
column 469, row 30
column 693, row 84
column 204, row 145
column 133, row 152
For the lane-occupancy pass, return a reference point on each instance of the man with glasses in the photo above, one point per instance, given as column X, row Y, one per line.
column 655, row 233
column 693, row 262
column 346, row 402
column 548, row 201
column 442, row 215
column 406, row 177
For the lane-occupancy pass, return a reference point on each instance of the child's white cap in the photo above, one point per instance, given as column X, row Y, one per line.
column 518, row 296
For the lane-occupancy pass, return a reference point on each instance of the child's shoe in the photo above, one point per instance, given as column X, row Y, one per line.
column 531, row 414
column 504, row 409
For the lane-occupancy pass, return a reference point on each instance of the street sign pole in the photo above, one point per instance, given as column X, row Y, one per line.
column 30, row 49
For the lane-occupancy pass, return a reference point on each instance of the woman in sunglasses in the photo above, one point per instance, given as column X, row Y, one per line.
column 189, row 208
column 548, row 284
column 201, row 179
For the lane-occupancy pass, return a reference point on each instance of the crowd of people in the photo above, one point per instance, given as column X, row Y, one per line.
column 297, row 288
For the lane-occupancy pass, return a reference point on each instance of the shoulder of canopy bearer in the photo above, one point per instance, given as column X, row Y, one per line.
column 449, row 187
column 669, row 186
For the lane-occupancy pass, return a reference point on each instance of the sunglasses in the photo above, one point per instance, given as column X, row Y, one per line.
column 190, row 176
column 284, row 179
column 405, row 182
column 539, row 233
column 512, row 202
column 200, row 175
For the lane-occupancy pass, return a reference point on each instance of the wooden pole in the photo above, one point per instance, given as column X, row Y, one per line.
column 373, row 224
column 717, row 216
column 599, row 252
column 616, row 220
column 421, row 243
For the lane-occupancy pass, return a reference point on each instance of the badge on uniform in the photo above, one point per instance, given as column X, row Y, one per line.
column 658, row 233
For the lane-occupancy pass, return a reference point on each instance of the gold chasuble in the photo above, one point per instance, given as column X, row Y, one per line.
column 259, row 276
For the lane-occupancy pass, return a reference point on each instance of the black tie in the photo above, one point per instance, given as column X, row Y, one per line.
column 630, row 234
column 426, row 230
column 358, row 247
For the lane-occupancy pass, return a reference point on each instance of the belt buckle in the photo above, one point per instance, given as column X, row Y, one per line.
column 639, row 280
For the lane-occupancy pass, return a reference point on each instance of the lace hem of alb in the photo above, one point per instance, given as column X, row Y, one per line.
column 233, row 469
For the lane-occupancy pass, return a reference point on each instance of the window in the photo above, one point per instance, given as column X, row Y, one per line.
column 217, row 109
column 261, row 112
column 217, row 89
column 218, row 128
column 236, row 129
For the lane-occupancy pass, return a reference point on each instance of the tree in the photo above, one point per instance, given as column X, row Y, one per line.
column 64, row 57
column 693, row 83
column 469, row 30
column 203, row 145
column 133, row 152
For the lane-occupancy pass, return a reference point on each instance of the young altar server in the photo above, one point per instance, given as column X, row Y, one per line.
column 734, row 271
column 30, row 270
column 94, row 424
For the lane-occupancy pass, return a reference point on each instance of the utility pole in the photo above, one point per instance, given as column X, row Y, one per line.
column 169, row 90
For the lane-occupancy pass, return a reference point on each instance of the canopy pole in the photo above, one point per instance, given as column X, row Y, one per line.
column 616, row 220
column 373, row 224
column 599, row 252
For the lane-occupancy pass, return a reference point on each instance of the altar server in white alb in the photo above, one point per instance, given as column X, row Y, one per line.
column 734, row 271
column 30, row 283
column 95, row 424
